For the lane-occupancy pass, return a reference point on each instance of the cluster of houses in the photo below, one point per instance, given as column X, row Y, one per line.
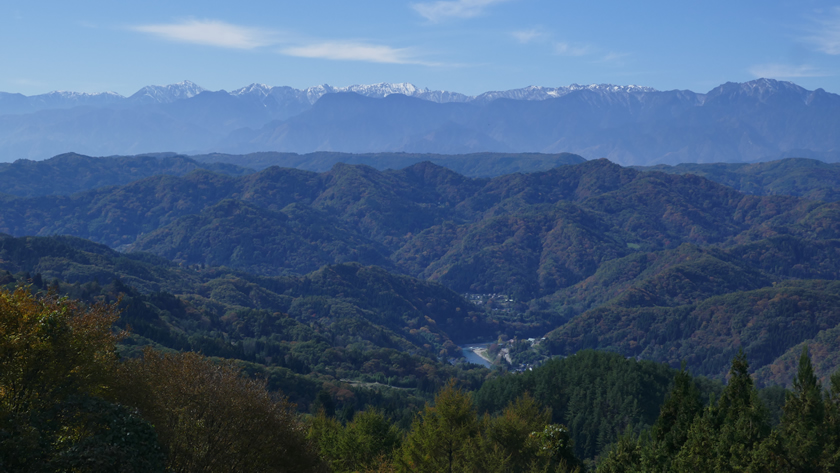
column 492, row 301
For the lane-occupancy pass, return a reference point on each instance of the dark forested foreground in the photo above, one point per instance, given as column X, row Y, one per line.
column 69, row 403
column 734, row 433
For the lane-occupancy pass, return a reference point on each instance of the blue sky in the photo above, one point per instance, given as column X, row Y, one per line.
column 468, row 46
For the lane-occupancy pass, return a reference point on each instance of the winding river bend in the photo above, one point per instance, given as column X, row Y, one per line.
column 472, row 357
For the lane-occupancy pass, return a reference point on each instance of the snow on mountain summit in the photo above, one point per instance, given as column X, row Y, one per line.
column 166, row 93
column 67, row 99
column 281, row 102
column 543, row 93
column 384, row 89
column 283, row 96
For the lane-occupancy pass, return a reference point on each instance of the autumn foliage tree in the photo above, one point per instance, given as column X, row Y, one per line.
column 449, row 436
column 368, row 441
column 211, row 419
column 57, row 359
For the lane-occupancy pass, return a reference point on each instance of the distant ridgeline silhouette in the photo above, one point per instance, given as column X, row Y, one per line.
column 735, row 122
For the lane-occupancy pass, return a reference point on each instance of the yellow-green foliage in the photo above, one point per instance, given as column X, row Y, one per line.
column 56, row 360
column 211, row 419
column 50, row 348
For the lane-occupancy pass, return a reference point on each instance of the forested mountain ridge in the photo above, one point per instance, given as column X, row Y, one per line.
column 338, row 325
column 430, row 214
column 800, row 177
column 69, row 173
column 659, row 255
column 482, row 164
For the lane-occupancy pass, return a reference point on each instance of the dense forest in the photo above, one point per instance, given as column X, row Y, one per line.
column 336, row 307
column 72, row 172
column 69, row 403
column 681, row 264
column 808, row 178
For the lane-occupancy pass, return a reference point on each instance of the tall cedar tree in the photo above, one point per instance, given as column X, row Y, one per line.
column 655, row 449
column 723, row 437
column 805, row 440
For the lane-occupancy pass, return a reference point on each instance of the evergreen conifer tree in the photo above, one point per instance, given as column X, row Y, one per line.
column 802, row 427
column 723, row 438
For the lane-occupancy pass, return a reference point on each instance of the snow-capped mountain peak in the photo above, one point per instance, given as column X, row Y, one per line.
column 167, row 93
column 66, row 99
column 69, row 94
column 761, row 89
column 261, row 90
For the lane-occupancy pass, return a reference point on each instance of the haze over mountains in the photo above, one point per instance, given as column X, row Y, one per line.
column 631, row 125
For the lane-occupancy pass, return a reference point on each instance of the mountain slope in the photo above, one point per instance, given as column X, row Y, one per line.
column 552, row 229
column 340, row 324
column 644, row 263
column 70, row 173
column 470, row 165
column 807, row 178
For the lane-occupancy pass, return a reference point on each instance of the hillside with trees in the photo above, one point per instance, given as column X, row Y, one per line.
column 69, row 402
column 69, row 173
column 349, row 293
column 340, row 326
column 809, row 178
column 664, row 257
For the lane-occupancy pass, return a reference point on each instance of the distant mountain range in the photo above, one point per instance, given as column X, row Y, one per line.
column 281, row 95
column 632, row 125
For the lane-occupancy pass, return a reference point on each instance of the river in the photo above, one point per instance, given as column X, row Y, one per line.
column 471, row 357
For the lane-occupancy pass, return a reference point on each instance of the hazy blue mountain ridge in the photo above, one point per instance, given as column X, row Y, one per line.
column 70, row 172
column 754, row 121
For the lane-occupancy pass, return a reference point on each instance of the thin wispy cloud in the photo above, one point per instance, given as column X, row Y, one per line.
column 614, row 59
column 613, row 56
column 225, row 35
column 538, row 35
column 212, row 33
column 785, row 71
column 445, row 9
column 826, row 36
column 572, row 49
column 346, row 51
column 530, row 35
